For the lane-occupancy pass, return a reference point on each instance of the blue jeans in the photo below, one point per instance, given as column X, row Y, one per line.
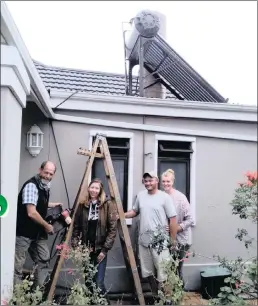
column 100, row 275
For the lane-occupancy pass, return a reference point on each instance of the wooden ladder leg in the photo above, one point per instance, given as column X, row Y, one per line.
column 80, row 197
column 113, row 187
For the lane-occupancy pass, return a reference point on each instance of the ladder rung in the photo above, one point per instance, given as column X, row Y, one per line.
column 85, row 152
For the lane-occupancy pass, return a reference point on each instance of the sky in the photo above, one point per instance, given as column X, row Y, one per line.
column 217, row 38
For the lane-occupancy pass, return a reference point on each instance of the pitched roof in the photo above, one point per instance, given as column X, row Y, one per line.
column 95, row 82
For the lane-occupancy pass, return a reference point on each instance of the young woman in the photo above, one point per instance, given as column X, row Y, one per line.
column 96, row 225
column 184, row 216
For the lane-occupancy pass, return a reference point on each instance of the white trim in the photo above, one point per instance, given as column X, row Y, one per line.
column 10, row 58
column 130, row 136
column 153, row 107
column 9, row 79
column 14, row 74
column 192, row 165
column 208, row 264
column 154, row 128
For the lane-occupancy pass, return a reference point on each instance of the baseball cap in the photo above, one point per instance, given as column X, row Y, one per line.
column 151, row 174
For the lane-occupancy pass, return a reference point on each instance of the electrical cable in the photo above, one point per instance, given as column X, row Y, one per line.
column 53, row 244
column 60, row 161
column 66, row 99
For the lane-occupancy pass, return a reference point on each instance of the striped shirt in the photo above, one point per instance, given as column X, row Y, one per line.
column 184, row 216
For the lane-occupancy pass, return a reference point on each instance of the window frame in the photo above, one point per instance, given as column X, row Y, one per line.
column 130, row 136
column 171, row 137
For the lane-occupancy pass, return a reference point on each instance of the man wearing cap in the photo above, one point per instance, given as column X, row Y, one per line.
column 156, row 210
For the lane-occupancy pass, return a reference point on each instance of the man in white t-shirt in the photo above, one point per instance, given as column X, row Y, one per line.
column 156, row 210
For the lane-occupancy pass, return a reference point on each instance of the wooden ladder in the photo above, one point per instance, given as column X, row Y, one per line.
column 100, row 142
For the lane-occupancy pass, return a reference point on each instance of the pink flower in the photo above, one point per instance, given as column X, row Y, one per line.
column 249, row 184
column 59, row 247
column 252, row 176
column 187, row 254
column 242, row 282
column 4, row 302
column 66, row 248
column 70, row 271
column 237, row 285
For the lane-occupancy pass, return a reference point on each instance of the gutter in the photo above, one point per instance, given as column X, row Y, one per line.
column 132, row 100
column 129, row 105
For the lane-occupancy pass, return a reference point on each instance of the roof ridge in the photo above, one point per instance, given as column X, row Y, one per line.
column 80, row 70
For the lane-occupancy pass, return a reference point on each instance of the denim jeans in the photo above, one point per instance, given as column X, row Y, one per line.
column 100, row 275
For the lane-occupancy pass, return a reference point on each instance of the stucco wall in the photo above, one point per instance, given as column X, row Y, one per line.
column 220, row 165
column 11, row 112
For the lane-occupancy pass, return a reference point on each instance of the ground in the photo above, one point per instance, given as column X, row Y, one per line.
column 190, row 298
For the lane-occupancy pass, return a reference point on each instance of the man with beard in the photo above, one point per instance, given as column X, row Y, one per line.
column 32, row 230
column 156, row 210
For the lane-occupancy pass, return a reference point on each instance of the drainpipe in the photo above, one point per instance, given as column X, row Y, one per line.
column 141, row 93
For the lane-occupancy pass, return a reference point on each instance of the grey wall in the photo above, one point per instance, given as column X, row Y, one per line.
column 220, row 165
column 3, row 41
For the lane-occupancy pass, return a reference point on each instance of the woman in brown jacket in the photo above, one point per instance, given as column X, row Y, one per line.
column 96, row 225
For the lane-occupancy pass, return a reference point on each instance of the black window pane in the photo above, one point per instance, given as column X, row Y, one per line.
column 119, row 168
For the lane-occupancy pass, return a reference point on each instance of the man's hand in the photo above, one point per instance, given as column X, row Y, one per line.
column 49, row 229
column 101, row 257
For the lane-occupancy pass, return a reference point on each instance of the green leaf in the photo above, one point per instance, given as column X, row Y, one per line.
column 232, row 298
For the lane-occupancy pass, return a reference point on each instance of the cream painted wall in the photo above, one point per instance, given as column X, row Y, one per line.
column 220, row 164
column 11, row 117
column 15, row 86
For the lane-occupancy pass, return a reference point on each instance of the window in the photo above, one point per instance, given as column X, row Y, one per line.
column 119, row 150
column 176, row 155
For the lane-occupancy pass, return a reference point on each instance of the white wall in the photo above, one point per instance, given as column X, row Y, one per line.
column 15, row 86
column 10, row 160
